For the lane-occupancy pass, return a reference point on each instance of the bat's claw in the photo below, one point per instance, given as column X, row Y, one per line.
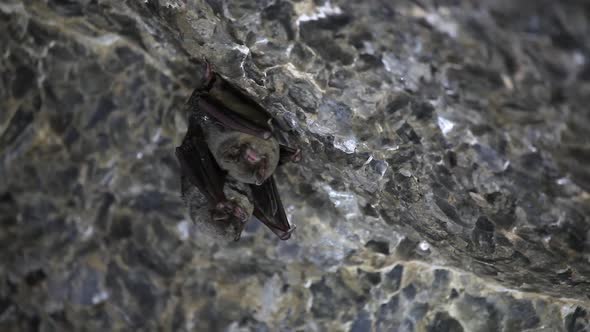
column 209, row 73
column 296, row 157
column 240, row 214
column 287, row 234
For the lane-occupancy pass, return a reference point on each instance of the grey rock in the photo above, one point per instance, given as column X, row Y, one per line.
column 444, row 184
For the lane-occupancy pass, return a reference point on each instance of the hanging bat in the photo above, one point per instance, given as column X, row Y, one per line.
column 227, row 160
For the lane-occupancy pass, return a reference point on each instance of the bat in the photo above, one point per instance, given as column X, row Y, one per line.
column 239, row 131
column 228, row 158
column 220, row 206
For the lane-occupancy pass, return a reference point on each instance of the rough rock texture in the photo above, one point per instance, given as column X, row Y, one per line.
column 444, row 187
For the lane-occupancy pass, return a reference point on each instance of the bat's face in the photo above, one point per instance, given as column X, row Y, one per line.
column 246, row 158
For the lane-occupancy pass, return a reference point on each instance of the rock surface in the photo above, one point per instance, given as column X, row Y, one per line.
column 444, row 186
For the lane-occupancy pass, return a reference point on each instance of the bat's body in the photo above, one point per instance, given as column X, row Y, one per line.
column 228, row 157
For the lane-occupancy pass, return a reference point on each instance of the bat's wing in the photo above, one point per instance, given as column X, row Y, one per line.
column 239, row 102
column 229, row 119
column 198, row 165
column 268, row 208
column 232, row 108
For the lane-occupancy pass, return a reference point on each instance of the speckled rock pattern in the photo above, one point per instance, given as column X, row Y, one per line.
column 444, row 186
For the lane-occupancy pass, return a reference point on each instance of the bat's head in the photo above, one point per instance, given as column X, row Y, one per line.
column 247, row 158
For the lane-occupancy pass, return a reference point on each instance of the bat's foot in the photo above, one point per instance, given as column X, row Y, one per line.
column 209, row 74
column 229, row 210
column 230, row 217
column 204, row 86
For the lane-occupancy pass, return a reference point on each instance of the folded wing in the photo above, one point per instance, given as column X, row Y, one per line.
column 269, row 209
column 198, row 164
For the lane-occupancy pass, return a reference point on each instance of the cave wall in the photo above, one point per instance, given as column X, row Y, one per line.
column 444, row 184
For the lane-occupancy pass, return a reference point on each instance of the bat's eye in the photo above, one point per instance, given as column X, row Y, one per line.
column 232, row 154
